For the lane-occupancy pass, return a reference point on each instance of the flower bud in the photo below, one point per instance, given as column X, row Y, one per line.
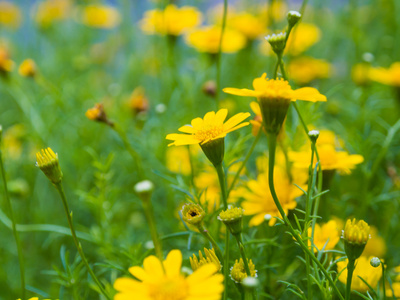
column 356, row 236
column 375, row 262
column 277, row 42
column 193, row 214
column 313, row 134
column 293, row 17
column 210, row 88
column 48, row 162
column 238, row 272
column 210, row 258
column 233, row 219
column 144, row 189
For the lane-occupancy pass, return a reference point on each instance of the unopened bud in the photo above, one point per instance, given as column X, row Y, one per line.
column 293, row 17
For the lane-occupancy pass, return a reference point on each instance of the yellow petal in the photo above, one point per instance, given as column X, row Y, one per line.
column 173, row 263
column 152, row 265
column 187, row 129
column 221, row 116
column 236, row 119
column 242, row 92
column 308, row 94
column 260, row 84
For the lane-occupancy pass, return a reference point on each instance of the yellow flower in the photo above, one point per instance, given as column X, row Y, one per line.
column 210, row 258
column 302, row 38
column 155, row 282
column 51, row 11
column 277, row 89
column 330, row 159
column 356, row 232
column 326, row 236
column 6, row 64
column 390, row 76
column 396, row 289
column 48, row 162
column 100, row 16
column 212, row 127
column 10, row 14
column 138, row 101
column 97, row 113
column 361, row 73
column 171, row 21
column 206, row 39
column 249, row 25
column 364, row 270
column 376, row 245
column 27, row 68
column 208, row 185
column 257, row 121
column 178, row 160
column 238, row 272
column 306, row 69
column 259, row 202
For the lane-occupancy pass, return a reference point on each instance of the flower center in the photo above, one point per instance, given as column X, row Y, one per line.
column 208, row 132
column 170, row 289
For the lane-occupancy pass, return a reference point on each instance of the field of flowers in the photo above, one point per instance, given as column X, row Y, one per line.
column 199, row 150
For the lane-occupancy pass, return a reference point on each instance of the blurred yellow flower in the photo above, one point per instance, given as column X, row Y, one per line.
column 164, row 280
column 206, row 39
column 257, row 121
column 6, row 64
column 259, row 202
column 10, row 14
column 27, row 68
column 100, row 16
column 138, row 101
column 249, row 25
column 363, row 269
column 208, row 185
column 212, row 127
column 396, row 289
column 171, row 21
column 276, row 9
column 302, row 38
column 50, row 11
column 330, row 158
column 12, row 141
column 303, row 70
column 178, row 160
column 389, row 76
column 376, row 245
column 326, row 236
column 360, row 73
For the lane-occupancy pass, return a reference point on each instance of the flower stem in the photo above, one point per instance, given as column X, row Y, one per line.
column 383, row 280
column 271, row 161
column 208, row 236
column 350, row 270
column 232, row 186
column 149, row 213
column 78, row 245
column 221, row 178
column 244, row 257
column 14, row 226
column 218, row 81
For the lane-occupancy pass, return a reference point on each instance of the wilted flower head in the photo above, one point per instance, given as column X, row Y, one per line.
column 28, row 68
column 138, row 101
column 172, row 20
column 97, row 113
column 209, row 258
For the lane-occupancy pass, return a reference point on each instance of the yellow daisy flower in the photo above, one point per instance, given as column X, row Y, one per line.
column 302, row 38
column 326, row 236
column 306, row 69
column 10, row 14
column 28, row 68
column 206, row 39
column 171, row 21
column 50, row 11
column 249, row 25
column 363, row 269
column 212, row 127
column 6, row 64
column 100, row 16
column 390, row 76
column 361, row 73
column 164, row 280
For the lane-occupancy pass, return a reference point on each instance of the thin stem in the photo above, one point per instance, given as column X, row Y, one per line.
column 208, row 236
column 232, row 186
column 78, row 245
column 221, row 178
column 383, row 280
column 218, row 81
column 350, row 270
column 244, row 257
column 14, row 226
column 149, row 213
column 272, row 147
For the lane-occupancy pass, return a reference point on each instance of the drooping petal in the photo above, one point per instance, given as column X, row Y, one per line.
column 308, row 94
column 242, row 92
column 255, row 107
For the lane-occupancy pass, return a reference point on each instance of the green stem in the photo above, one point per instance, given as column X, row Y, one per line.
column 383, row 280
column 208, row 236
column 272, row 147
column 78, row 245
column 350, row 270
column 221, row 178
column 218, row 81
column 131, row 151
column 244, row 257
column 232, row 186
column 14, row 226
column 149, row 213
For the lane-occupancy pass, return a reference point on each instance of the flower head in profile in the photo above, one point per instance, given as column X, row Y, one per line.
column 389, row 76
column 163, row 280
column 274, row 97
column 28, row 68
column 172, row 20
column 209, row 133
column 356, row 235
column 48, row 162
column 10, row 14
column 238, row 271
column 98, row 114
column 207, row 39
column 364, row 270
column 100, row 16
